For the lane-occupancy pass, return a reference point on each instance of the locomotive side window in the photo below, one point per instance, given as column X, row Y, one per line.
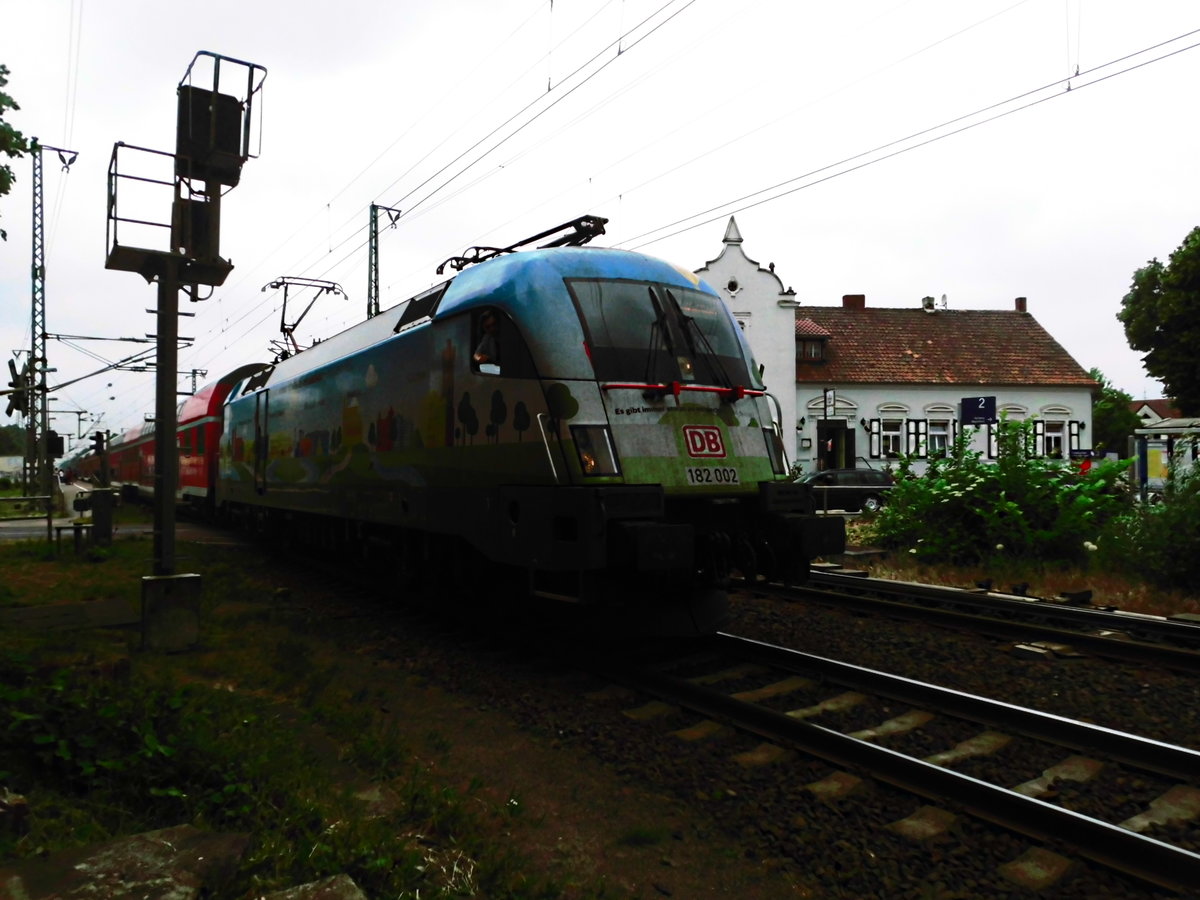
column 497, row 346
column 421, row 307
column 487, row 348
column 659, row 333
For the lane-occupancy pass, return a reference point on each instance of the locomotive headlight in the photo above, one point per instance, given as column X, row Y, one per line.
column 597, row 456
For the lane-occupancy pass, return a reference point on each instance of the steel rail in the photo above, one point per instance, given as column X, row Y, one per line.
column 1145, row 753
column 1129, row 650
column 1156, row 627
column 1144, row 858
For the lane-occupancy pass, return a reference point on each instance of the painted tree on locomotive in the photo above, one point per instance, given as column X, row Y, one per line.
column 611, row 438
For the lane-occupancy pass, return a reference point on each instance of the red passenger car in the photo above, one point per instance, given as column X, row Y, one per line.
column 198, row 424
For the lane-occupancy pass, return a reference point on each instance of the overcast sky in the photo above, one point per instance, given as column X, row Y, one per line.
column 485, row 121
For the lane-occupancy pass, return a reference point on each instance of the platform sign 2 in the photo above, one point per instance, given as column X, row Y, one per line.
column 978, row 411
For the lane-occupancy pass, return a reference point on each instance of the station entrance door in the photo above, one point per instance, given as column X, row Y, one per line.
column 835, row 445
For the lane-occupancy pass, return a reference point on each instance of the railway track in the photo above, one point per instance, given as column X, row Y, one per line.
column 1078, row 791
column 1050, row 779
column 1102, row 631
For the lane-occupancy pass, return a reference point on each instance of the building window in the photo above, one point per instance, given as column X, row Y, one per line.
column 890, row 436
column 939, row 437
column 1054, row 440
column 812, row 351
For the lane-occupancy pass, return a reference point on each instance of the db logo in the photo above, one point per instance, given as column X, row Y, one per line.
column 703, row 440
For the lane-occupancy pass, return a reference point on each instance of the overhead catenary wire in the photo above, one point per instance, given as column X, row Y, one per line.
column 745, row 134
column 653, row 236
column 910, row 137
column 414, row 206
column 433, row 104
column 466, row 78
column 410, row 209
column 776, row 191
column 618, row 43
column 514, row 117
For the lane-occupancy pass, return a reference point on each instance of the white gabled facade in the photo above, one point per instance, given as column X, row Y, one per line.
column 766, row 313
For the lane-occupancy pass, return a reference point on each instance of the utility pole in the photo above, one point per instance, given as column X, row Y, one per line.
column 196, row 373
column 373, row 256
column 38, row 465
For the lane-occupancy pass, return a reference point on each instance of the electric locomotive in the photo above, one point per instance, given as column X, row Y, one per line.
column 591, row 418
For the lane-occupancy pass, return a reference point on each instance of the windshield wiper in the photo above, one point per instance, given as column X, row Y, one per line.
column 658, row 338
column 714, row 361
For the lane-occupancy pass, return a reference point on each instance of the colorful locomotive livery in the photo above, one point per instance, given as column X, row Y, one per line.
column 589, row 418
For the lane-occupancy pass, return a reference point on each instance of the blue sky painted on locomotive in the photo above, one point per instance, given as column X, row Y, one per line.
column 488, row 120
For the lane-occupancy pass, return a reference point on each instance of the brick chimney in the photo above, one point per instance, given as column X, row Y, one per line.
column 1020, row 305
column 854, row 301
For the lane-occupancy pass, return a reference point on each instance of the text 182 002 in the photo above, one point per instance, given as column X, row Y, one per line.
column 712, row 475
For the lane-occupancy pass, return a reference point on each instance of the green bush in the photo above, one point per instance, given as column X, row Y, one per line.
column 964, row 510
column 1159, row 542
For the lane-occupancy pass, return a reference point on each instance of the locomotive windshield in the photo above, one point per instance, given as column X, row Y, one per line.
column 658, row 333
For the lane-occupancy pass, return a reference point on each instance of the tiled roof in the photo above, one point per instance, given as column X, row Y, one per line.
column 912, row 346
column 1164, row 409
column 809, row 328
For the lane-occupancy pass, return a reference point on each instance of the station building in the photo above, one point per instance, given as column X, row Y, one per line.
column 860, row 385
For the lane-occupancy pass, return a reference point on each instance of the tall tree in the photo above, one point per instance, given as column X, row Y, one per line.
column 1161, row 315
column 12, row 440
column 12, row 142
column 1113, row 421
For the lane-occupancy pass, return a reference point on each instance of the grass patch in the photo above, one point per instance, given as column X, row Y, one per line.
column 1040, row 579
column 35, row 574
column 262, row 730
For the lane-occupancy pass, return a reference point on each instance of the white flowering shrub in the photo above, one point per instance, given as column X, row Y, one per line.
column 965, row 509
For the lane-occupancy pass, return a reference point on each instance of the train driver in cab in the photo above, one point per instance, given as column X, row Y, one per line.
column 487, row 351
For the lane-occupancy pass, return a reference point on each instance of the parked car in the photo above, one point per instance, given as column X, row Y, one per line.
column 849, row 489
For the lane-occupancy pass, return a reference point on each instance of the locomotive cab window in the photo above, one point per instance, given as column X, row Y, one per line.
column 659, row 333
column 498, row 348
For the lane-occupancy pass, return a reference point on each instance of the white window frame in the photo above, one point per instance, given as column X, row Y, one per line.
column 1055, row 441
column 939, row 439
column 891, row 437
